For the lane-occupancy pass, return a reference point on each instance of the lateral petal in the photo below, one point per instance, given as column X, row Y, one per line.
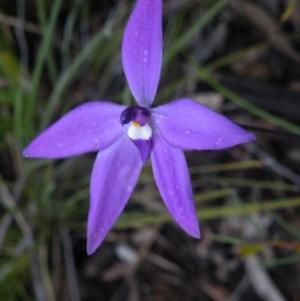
column 89, row 127
column 173, row 181
column 189, row 125
column 142, row 50
column 114, row 176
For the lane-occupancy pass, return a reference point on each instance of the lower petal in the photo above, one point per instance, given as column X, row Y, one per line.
column 114, row 176
column 173, row 181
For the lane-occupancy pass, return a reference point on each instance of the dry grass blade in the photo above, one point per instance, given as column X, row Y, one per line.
column 70, row 266
column 13, row 21
column 262, row 281
column 267, row 24
column 10, row 204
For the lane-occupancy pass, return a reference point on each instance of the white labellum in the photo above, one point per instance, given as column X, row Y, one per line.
column 139, row 132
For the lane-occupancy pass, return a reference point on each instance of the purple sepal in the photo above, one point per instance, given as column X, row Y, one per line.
column 114, row 176
column 144, row 147
column 173, row 181
column 188, row 125
column 142, row 50
column 89, row 127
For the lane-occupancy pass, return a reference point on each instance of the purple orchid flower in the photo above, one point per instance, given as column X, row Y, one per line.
column 126, row 136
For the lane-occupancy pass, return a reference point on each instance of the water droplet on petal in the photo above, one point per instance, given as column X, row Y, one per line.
column 218, row 141
column 180, row 213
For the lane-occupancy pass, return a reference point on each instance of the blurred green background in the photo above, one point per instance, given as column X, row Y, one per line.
column 238, row 57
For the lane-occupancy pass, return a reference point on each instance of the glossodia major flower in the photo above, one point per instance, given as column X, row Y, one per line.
column 127, row 136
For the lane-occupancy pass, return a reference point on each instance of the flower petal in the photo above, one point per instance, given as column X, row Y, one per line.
column 142, row 50
column 114, row 176
column 89, row 127
column 173, row 181
column 189, row 125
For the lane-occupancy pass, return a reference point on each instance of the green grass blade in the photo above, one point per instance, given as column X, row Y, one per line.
column 136, row 219
column 42, row 53
column 249, row 183
column 226, row 166
column 282, row 261
column 65, row 77
column 203, row 74
column 185, row 38
column 50, row 60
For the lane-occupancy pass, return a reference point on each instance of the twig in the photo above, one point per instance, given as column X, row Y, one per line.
column 143, row 253
column 10, row 204
column 240, row 289
column 6, row 220
column 70, row 266
column 8, row 266
column 12, row 21
column 19, row 31
column 39, row 290
column 273, row 164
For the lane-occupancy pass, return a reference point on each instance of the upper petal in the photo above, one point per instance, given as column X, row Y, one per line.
column 189, row 125
column 142, row 50
column 114, row 176
column 173, row 181
column 89, row 127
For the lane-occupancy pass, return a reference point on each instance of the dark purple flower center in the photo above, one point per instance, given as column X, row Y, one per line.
column 136, row 114
column 139, row 131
